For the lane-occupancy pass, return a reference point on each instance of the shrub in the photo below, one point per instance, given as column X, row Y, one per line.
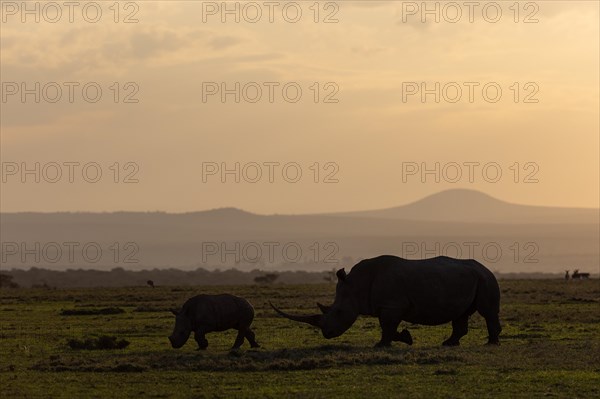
column 88, row 312
column 101, row 342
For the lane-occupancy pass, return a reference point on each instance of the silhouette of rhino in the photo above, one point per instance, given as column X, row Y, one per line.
column 429, row 291
column 209, row 313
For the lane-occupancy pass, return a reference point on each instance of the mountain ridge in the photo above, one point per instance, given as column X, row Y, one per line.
column 431, row 207
column 465, row 205
column 556, row 239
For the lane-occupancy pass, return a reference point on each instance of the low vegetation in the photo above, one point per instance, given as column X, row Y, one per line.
column 96, row 343
column 550, row 348
column 88, row 312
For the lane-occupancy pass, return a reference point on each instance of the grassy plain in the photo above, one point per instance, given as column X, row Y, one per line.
column 550, row 348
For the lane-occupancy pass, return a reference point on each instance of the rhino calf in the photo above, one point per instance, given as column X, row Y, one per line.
column 209, row 313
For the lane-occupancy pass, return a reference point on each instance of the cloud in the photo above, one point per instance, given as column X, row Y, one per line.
column 155, row 42
column 223, row 42
column 110, row 51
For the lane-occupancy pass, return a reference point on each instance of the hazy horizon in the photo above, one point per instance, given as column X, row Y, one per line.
column 458, row 223
column 476, row 192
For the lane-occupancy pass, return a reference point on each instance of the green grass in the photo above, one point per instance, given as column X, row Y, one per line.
column 550, row 348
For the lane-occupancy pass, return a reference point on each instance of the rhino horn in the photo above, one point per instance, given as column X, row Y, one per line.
column 324, row 308
column 313, row 320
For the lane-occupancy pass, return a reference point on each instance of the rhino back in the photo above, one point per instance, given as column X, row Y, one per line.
column 434, row 291
column 219, row 312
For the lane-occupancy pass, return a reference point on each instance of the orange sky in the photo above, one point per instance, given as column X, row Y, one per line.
column 369, row 148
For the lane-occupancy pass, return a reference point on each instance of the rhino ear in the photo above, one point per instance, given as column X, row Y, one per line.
column 341, row 274
column 175, row 312
column 324, row 308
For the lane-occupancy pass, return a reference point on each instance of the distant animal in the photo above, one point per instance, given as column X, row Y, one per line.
column 268, row 278
column 429, row 292
column 578, row 276
column 330, row 276
column 203, row 314
column 566, row 274
column 150, row 283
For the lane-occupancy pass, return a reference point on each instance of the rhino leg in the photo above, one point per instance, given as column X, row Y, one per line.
column 200, row 339
column 249, row 335
column 251, row 338
column 389, row 320
column 488, row 306
column 239, row 340
column 460, row 327
column 494, row 329
column 403, row 336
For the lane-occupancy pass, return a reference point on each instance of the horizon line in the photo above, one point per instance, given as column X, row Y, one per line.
column 332, row 213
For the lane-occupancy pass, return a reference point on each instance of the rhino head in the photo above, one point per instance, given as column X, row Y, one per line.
column 182, row 330
column 333, row 320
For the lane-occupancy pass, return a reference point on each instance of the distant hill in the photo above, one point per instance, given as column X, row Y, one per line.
column 460, row 223
column 462, row 205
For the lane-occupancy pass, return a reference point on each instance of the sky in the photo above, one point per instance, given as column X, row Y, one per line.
column 360, row 133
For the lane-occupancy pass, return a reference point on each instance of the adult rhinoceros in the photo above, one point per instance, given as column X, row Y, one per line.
column 429, row 291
